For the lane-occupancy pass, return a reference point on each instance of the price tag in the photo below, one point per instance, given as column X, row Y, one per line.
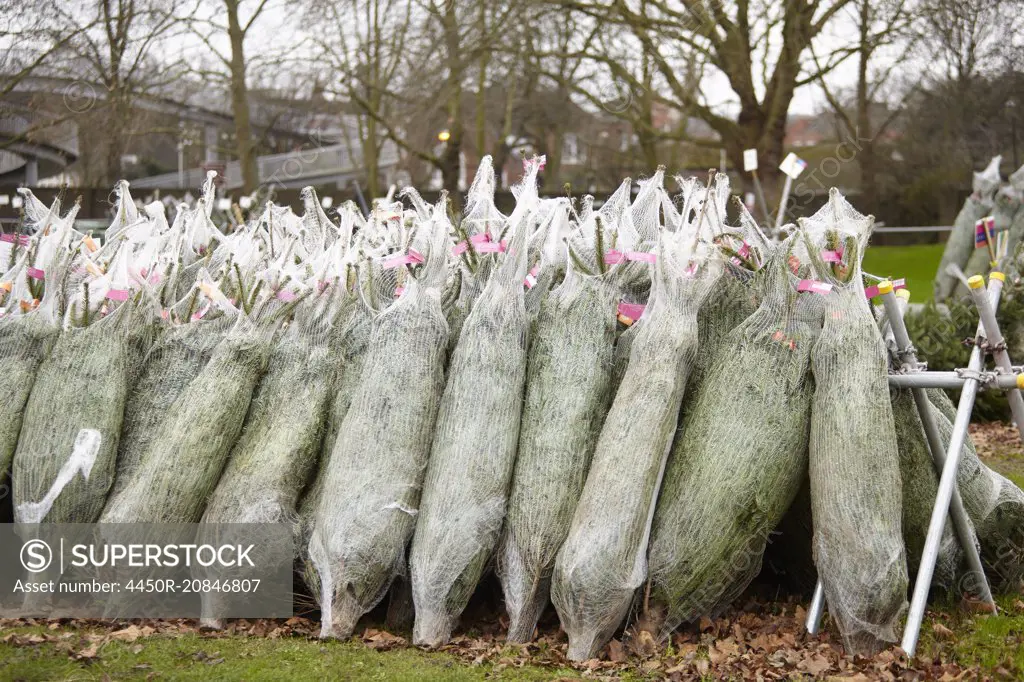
column 749, row 160
column 792, row 165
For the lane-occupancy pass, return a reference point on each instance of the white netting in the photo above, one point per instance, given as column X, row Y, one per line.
column 568, row 390
column 920, row 486
column 604, row 558
column 367, row 511
column 474, row 448
column 854, row 459
column 960, row 245
column 994, row 504
column 741, row 456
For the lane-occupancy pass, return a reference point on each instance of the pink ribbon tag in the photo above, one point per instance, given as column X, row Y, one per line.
column 477, row 240
column 12, row 238
column 832, row 256
column 117, row 294
column 541, row 161
column 642, row 256
column 165, row 314
column 399, row 291
column 613, row 257
column 531, row 278
column 35, row 273
column 491, row 247
column 872, row 291
column 691, row 270
column 744, row 250
column 201, row 313
column 286, row 295
column 814, row 286
column 410, row 258
column 483, row 244
column 631, row 310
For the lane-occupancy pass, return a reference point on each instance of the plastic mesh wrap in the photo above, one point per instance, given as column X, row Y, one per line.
column 28, row 326
column 73, row 413
column 277, row 448
column 466, row 487
column 24, row 341
column 175, row 360
column 994, row 504
column 1005, row 210
column 920, row 486
column 604, row 558
column 854, row 460
column 273, row 456
column 741, row 457
column 568, row 391
column 367, row 512
column 960, row 245
column 181, row 465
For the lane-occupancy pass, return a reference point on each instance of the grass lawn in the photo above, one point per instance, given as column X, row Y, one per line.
column 194, row 657
column 916, row 264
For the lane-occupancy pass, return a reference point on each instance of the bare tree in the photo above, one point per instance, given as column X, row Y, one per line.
column 413, row 63
column 236, row 63
column 966, row 37
column 885, row 40
column 694, row 47
column 109, row 50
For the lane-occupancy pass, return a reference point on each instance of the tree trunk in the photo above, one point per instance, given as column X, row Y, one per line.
column 371, row 158
column 240, row 101
column 863, row 136
column 449, row 164
column 449, row 161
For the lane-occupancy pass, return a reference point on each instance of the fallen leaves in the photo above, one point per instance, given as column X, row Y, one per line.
column 382, row 640
column 765, row 641
column 616, row 652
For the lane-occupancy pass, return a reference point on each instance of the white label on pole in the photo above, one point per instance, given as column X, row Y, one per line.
column 245, row 202
column 749, row 160
column 5, row 199
column 223, row 204
column 16, row 202
column 792, row 165
column 327, row 202
column 748, row 200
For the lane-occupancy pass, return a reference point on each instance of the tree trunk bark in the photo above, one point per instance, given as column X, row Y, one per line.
column 371, row 158
column 240, row 101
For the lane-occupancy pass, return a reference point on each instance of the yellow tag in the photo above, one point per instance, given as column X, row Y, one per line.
column 628, row 321
column 89, row 243
column 6, row 286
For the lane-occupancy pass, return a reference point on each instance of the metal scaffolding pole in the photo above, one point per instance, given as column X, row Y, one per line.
column 961, row 522
column 948, row 480
column 954, row 380
column 997, row 344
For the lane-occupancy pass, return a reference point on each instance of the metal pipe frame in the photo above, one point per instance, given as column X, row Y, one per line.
column 948, row 480
column 953, row 380
column 997, row 345
column 962, row 525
